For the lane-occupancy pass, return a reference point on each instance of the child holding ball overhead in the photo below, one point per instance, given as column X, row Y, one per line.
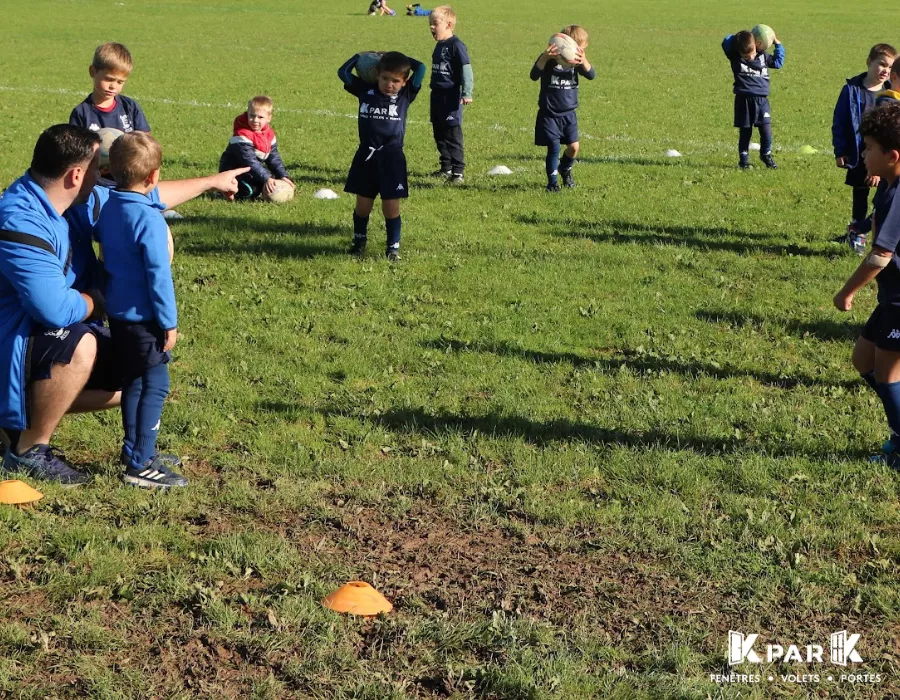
column 750, row 65
column 379, row 166
column 557, row 123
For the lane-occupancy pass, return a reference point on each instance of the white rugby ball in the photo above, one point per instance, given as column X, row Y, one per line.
column 568, row 48
column 283, row 193
column 107, row 136
column 367, row 65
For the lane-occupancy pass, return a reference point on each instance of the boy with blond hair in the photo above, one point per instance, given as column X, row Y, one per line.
column 452, row 83
column 106, row 106
column 556, row 121
column 253, row 144
column 140, row 304
column 857, row 97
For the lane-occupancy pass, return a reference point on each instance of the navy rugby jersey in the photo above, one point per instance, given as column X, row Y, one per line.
column 887, row 237
column 126, row 115
column 381, row 118
column 752, row 77
column 447, row 61
column 559, row 86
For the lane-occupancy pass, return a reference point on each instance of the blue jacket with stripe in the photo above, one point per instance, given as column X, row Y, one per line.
column 35, row 287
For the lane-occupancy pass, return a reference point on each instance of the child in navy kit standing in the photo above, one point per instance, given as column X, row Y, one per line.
column 877, row 353
column 452, row 83
column 379, row 166
column 140, row 304
column 106, row 106
column 857, row 97
column 556, row 121
column 253, row 144
column 750, row 67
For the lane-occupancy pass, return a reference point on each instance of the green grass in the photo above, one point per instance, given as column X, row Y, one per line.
column 574, row 439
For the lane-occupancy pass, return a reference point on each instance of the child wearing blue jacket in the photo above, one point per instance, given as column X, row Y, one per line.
column 140, row 303
column 857, row 97
column 750, row 66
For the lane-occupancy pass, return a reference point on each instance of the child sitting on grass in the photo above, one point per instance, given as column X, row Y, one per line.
column 254, row 145
column 379, row 7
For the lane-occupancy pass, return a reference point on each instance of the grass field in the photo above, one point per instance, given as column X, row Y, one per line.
column 575, row 439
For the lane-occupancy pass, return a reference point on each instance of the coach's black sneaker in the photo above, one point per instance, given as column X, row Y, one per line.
column 43, row 462
column 358, row 247
column 567, row 177
column 769, row 161
column 153, row 474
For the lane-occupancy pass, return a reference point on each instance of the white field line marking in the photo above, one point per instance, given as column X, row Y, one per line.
column 694, row 147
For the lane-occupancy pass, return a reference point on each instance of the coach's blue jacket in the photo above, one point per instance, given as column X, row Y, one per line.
column 845, row 125
column 35, row 286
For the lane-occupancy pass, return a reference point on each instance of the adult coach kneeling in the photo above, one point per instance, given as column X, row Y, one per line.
column 51, row 361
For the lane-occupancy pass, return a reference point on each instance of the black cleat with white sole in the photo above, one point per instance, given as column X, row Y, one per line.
column 154, row 474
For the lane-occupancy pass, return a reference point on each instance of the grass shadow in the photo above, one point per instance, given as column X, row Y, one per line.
column 417, row 421
column 825, row 330
column 699, row 237
column 642, row 363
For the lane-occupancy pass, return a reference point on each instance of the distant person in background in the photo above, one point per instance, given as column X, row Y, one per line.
column 416, row 10
column 857, row 97
column 379, row 7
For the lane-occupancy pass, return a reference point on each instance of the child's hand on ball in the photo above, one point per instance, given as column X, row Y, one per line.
column 552, row 51
column 270, row 185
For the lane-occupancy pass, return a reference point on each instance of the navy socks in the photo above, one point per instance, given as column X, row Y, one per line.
column 890, row 398
column 142, row 405
column 360, row 226
column 392, row 226
column 566, row 163
column 552, row 162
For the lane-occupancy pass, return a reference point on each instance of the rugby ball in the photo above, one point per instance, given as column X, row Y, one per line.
column 367, row 66
column 764, row 35
column 283, row 193
column 568, row 48
column 107, row 136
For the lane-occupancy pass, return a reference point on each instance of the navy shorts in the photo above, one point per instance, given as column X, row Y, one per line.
column 856, row 177
column 138, row 347
column 57, row 347
column 883, row 328
column 549, row 130
column 378, row 172
column 751, row 110
column 446, row 108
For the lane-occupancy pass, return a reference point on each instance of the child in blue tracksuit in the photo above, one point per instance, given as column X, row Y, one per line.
column 750, row 67
column 857, row 97
column 379, row 166
column 140, row 303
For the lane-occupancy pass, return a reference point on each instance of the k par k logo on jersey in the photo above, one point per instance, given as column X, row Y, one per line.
column 841, row 650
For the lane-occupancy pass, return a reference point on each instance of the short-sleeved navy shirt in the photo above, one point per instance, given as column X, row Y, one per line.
column 887, row 236
column 449, row 56
column 382, row 118
column 559, row 87
column 126, row 115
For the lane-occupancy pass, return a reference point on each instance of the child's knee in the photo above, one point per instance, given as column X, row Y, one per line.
column 390, row 208
column 364, row 205
column 572, row 150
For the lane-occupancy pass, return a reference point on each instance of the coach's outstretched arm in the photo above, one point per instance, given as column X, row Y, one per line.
column 175, row 192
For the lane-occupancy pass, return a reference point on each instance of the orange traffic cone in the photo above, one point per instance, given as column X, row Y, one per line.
column 17, row 492
column 357, row 598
